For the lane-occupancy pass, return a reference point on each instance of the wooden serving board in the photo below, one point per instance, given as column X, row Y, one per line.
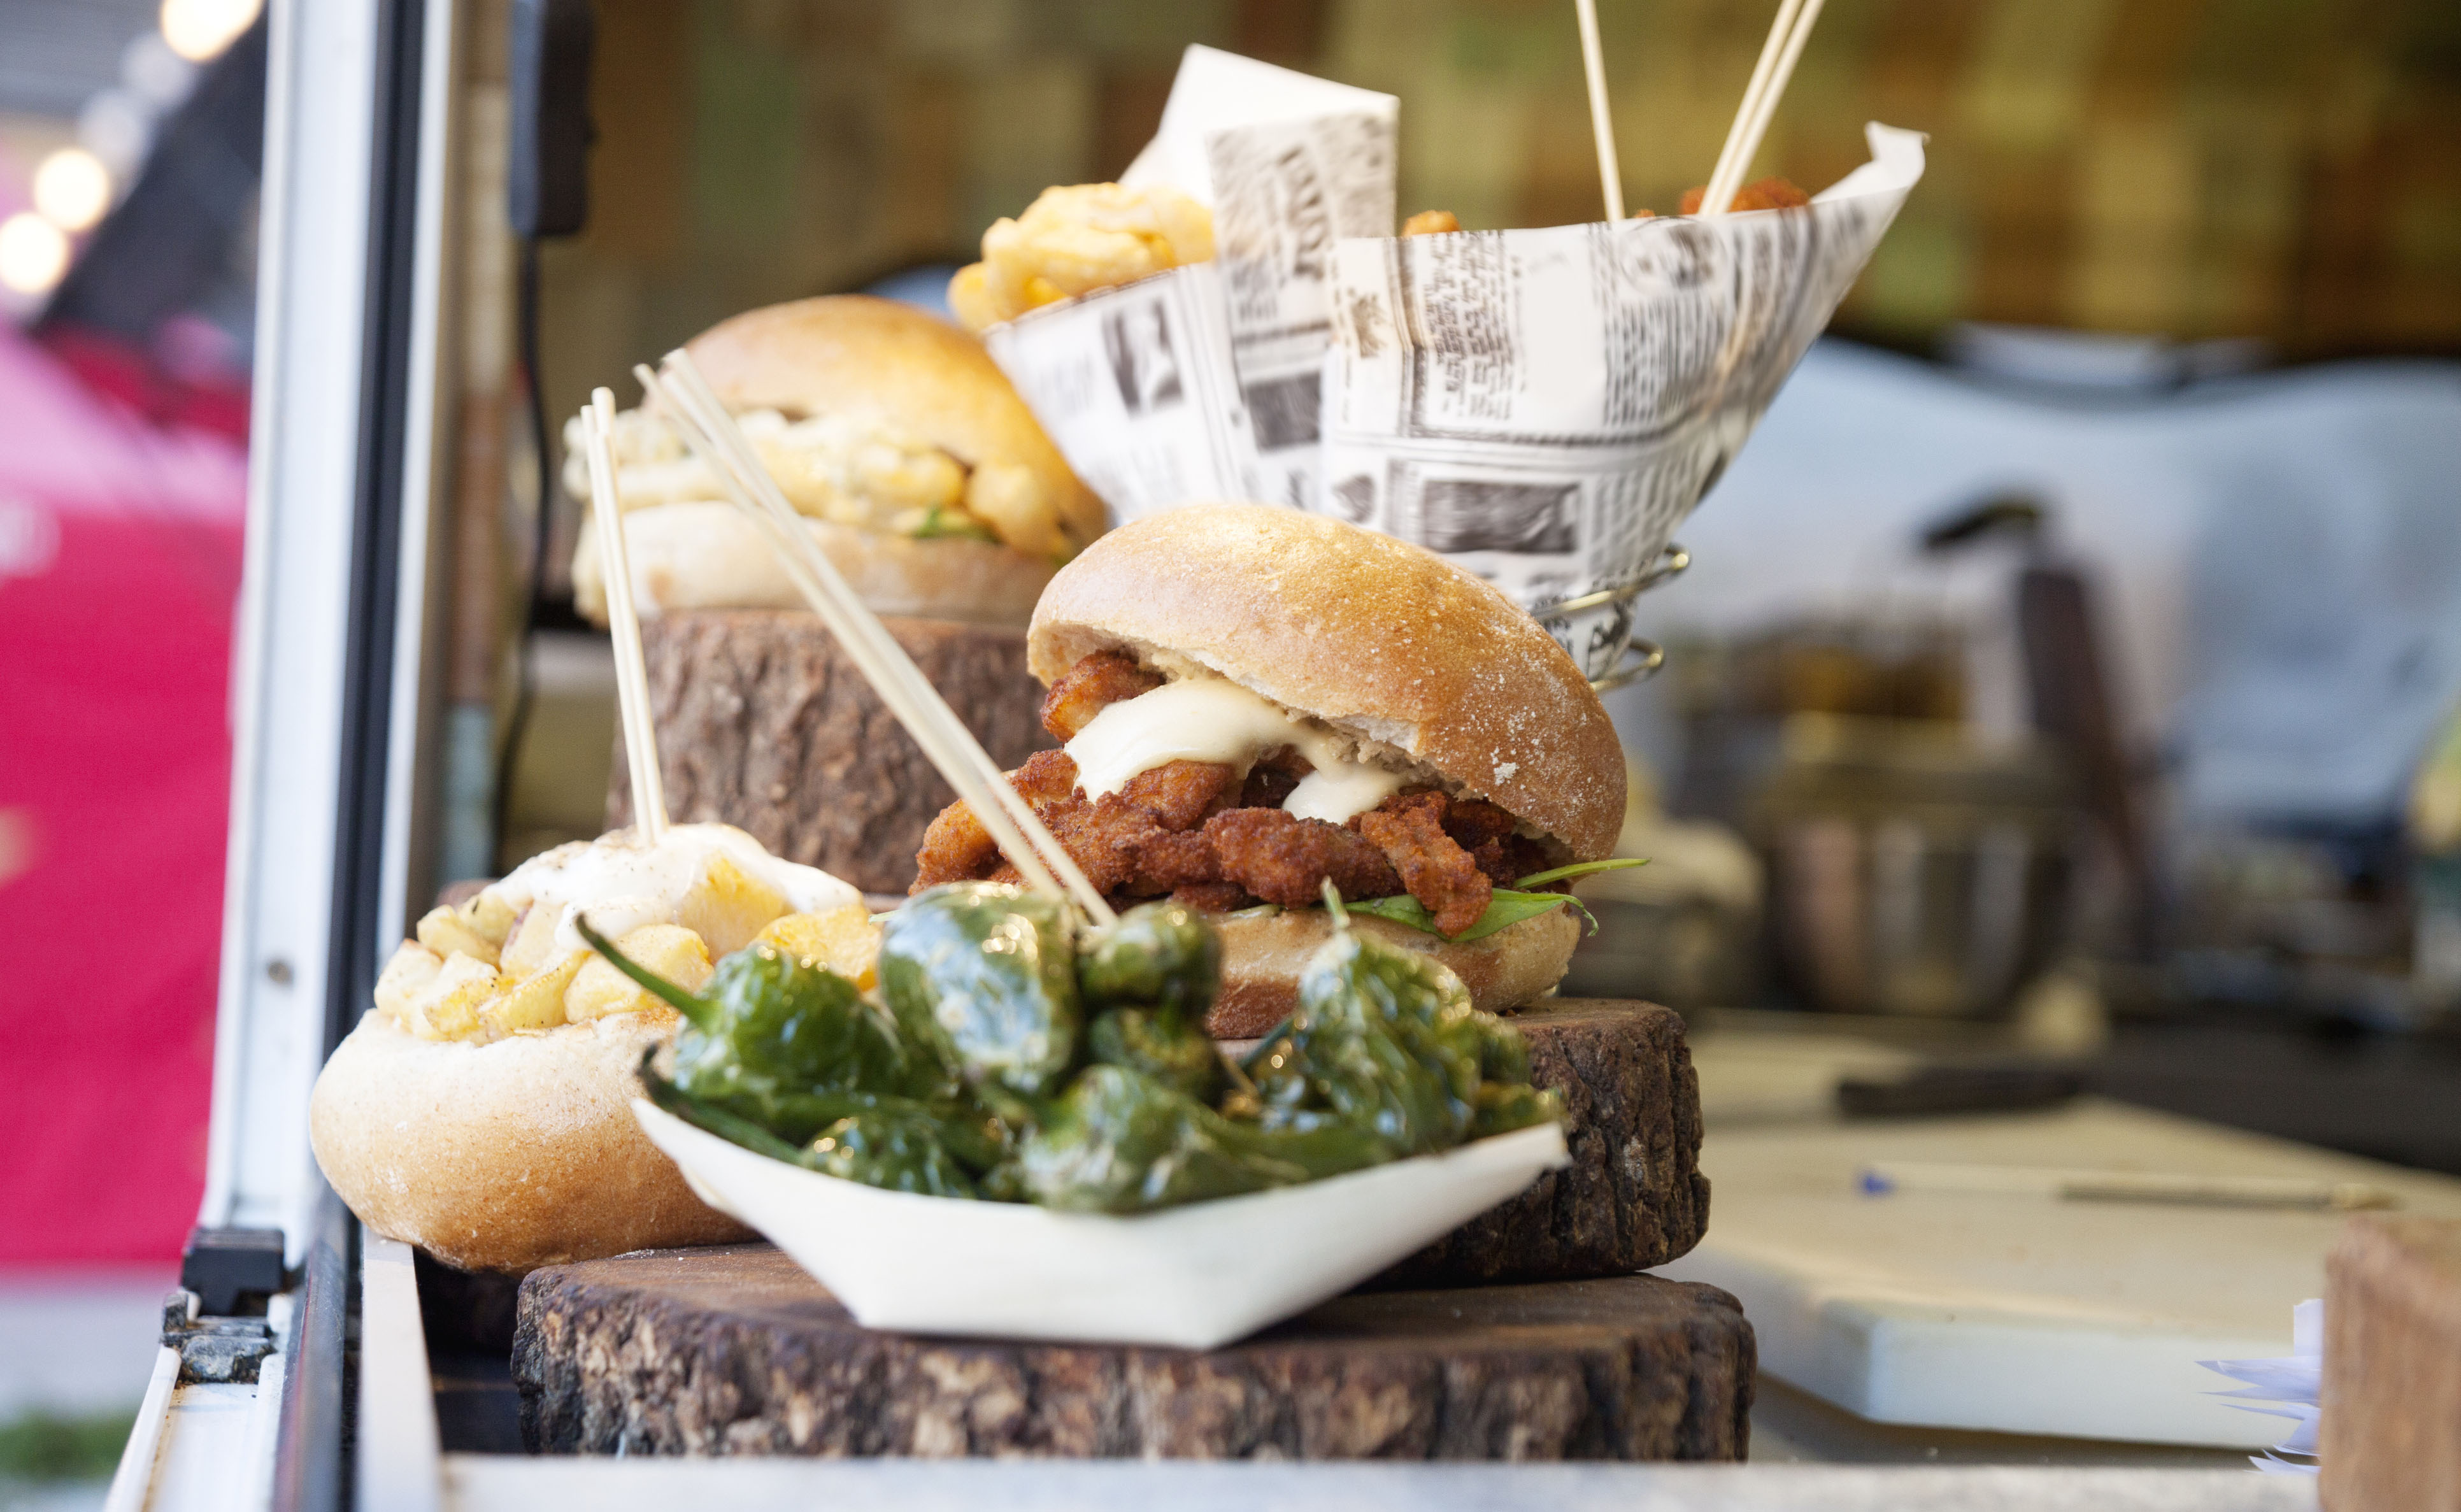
column 764, row 724
column 1633, row 1196
column 734, row 1351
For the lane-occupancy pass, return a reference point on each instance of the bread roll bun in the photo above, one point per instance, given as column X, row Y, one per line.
column 1262, row 957
column 706, row 555
column 854, row 354
column 505, row 1156
column 1374, row 636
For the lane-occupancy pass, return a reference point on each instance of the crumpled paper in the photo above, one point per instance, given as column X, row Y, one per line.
column 2292, row 1385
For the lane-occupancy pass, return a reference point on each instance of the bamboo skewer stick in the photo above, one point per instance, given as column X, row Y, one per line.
column 1779, row 31
column 1014, row 826
column 1786, row 37
column 1594, row 66
column 624, row 622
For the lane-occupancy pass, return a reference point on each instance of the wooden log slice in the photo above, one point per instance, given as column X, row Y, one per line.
column 2391, row 1430
column 1633, row 1196
column 763, row 723
column 736, row 1351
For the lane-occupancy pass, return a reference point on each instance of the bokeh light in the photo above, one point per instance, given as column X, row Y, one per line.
column 199, row 29
column 33, row 253
column 72, row 189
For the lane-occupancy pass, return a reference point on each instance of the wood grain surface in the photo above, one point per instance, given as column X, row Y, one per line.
column 764, row 724
column 1633, row 1196
column 734, row 1351
column 2391, row 1430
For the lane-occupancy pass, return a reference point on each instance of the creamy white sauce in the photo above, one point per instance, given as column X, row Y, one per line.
column 625, row 883
column 1214, row 719
column 1335, row 793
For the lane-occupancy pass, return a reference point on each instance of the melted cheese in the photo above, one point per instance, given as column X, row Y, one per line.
column 1213, row 719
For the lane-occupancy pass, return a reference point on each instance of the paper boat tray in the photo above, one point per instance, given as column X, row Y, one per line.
column 1195, row 1276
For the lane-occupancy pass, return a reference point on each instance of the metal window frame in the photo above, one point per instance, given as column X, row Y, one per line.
column 336, row 681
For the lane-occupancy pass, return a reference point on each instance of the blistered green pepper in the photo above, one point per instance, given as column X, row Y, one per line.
column 726, row 1125
column 1381, row 1039
column 1162, row 955
column 904, row 1149
column 1506, row 1099
column 1121, row 1143
column 789, row 1045
column 988, row 973
column 1160, row 1044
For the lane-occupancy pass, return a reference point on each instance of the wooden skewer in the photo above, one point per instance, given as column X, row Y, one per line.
column 1779, row 31
column 1786, row 37
column 1593, row 65
column 1014, row 826
column 624, row 622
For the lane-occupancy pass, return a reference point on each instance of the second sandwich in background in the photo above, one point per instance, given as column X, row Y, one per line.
column 1257, row 702
column 931, row 487
column 920, row 470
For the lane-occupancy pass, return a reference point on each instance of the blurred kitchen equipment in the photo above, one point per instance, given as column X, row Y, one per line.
column 1932, row 1091
column 1887, row 1178
column 1916, row 867
column 1736, row 694
column 2067, row 684
column 1684, row 930
column 2434, row 834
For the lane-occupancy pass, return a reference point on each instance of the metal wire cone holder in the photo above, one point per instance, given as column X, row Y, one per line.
column 1641, row 658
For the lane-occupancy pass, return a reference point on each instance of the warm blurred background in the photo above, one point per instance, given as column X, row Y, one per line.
column 2061, row 672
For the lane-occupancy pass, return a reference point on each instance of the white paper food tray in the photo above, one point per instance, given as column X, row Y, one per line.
column 1195, row 1276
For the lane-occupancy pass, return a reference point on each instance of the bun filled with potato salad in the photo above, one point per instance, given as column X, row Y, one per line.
column 482, row 1108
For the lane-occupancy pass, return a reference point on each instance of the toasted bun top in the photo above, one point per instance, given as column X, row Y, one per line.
column 851, row 353
column 1368, row 633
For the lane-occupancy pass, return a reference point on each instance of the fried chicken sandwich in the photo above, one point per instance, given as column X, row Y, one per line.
column 1256, row 702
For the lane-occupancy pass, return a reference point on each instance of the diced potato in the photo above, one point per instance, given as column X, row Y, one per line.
column 533, row 942
column 412, row 967
column 447, row 1008
column 727, row 907
column 534, row 1003
column 669, row 949
column 490, row 916
column 444, row 932
column 844, row 940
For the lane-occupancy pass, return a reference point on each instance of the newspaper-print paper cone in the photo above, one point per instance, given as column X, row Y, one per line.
column 1137, row 389
column 1206, row 382
column 1544, row 407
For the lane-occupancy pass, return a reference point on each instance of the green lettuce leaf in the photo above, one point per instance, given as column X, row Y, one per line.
column 1583, row 869
column 1505, row 909
column 1506, row 906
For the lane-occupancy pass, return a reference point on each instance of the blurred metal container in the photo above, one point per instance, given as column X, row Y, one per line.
column 1685, row 931
column 1913, row 868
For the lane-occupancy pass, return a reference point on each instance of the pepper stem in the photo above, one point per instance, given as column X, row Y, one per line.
column 690, row 1006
